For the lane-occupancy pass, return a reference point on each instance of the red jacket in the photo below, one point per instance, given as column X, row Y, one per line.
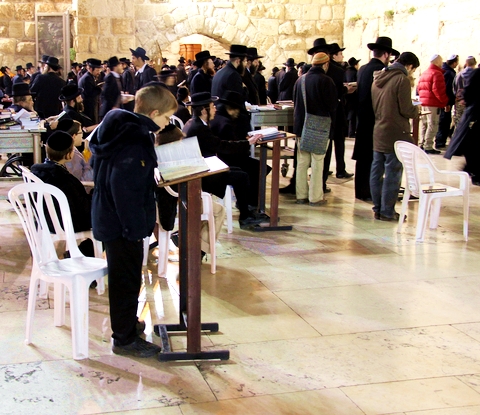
column 432, row 89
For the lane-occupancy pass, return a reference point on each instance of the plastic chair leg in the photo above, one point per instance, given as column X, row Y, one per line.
column 422, row 217
column 163, row 242
column 43, row 290
column 79, row 316
column 403, row 211
column 435, row 212
column 59, row 304
column 32, row 299
column 227, row 201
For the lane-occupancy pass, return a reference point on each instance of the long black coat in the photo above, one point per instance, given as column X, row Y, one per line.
column 261, row 88
column 144, row 77
column 110, row 94
column 249, row 82
column 272, row 91
column 201, row 82
column 77, row 116
column 363, row 149
column 91, row 93
column 47, row 87
column 227, row 79
column 286, row 83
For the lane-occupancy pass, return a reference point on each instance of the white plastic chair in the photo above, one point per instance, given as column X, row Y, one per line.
column 177, row 121
column 164, row 236
column 227, row 202
column 75, row 273
column 430, row 192
column 59, row 235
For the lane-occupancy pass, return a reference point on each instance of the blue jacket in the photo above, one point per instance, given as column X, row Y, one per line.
column 123, row 166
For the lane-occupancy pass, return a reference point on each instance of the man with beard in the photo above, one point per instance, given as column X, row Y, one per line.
column 181, row 72
column 286, row 80
column 202, row 81
column 91, row 91
column 247, row 78
column 71, row 96
column 260, row 82
column 229, row 78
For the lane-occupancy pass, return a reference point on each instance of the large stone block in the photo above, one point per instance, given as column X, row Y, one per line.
column 145, row 11
column 219, row 29
column 3, row 30
column 256, row 10
column 26, row 48
column 220, row 14
column 268, row 26
column 25, row 11
column 8, row 46
column 311, row 12
column 106, row 8
column 29, row 30
column 338, row 12
column 231, row 17
column 82, row 44
column 243, row 22
column 292, row 43
column 169, row 21
column 274, row 11
column 7, row 11
column 293, row 12
column 330, row 28
column 229, row 33
column 87, row 25
column 180, row 14
column 16, row 30
column 197, row 23
column 44, row 7
column 106, row 45
column 93, row 44
column 124, row 44
column 305, row 27
column 285, row 28
column 183, row 29
column 274, row 52
column 326, row 13
column 122, row 26
column 105, row 26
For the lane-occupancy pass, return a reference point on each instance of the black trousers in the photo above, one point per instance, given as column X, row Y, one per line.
column 362, row 178
column 240, row 182
column 444, row 130
column 124, row 260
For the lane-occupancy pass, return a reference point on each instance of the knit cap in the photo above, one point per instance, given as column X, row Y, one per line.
column 320, row 58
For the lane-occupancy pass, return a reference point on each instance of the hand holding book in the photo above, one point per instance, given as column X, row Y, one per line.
column 253, row 139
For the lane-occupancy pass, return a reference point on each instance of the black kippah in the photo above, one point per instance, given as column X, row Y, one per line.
column 60, row 141
column 64, row 124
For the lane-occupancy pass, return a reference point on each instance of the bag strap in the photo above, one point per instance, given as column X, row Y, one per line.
column 304, row 93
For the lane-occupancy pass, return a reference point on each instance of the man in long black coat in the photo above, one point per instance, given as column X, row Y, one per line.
column 286, row 81
column 202, row 80
column 144, row 73
column 112, row 87
column 363, row 150
column 272, row 90
column 247, row 78
column 91, row 91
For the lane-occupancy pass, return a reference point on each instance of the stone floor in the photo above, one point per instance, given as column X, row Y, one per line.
column 341, row 316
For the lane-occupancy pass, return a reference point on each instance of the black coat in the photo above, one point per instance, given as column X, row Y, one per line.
column 449, row 76
column 110, row 96
column 252, row 90
column 78, row 200
column 71, row 113
column 286, row 82
column 272, row 91
column 181, row 73
column 91, row 93
column 146, row 76
column 182, row 112
column 123, row 159
column 7, row 84
column 363, row 149
column 227, row 79
column 201, row 82
column 48, row 88
column 351, row 100
column 261, row 88
column 321, row 94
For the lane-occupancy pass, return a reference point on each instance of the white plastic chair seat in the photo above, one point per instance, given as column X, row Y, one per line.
column 415, row 161
column 68, row 267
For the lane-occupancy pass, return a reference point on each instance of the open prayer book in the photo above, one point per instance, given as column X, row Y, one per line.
column 270, row 133
column 179, row 159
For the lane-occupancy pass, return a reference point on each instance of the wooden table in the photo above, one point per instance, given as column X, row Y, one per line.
column 272, row 118
column 22, row 141
column 262, row 188
column 189, row 194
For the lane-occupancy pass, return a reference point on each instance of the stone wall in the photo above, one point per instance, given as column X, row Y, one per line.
column 422, row 27
column 17, row 28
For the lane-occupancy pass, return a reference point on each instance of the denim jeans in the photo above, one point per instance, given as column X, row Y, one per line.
column 385, row 180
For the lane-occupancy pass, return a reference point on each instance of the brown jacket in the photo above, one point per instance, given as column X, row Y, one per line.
column 392, row 105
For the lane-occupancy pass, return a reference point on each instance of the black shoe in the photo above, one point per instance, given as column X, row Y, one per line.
column 174, row 238
column 365, row 199
column 288, row 190
column 330, row 172
column 138, row 348
column 140, row 327
column 249, row 222
column 301, row 201
column 432, row 151
column 327, row 190
column 344, row 175
column 437, row 146
column 93, row 285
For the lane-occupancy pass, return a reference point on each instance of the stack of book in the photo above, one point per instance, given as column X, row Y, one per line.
column 270, row 133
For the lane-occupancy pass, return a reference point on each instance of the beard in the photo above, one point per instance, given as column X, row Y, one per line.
column 241, row 68
column 253, row 69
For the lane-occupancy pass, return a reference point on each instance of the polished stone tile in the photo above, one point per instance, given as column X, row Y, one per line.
column 423, row 394
column 462, row 410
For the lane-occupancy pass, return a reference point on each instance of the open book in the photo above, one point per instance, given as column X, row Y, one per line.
column 270, row 133
column 179, row 159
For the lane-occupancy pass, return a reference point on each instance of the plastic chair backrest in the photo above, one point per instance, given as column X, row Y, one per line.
column 28, row 201
column 414, row 159
column 177, row 121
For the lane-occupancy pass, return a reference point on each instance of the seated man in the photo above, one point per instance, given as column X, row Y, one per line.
column 203, row 112
column 22, row 98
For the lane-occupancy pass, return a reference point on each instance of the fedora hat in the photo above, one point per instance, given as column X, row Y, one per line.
column 165, row 73
column 94, row 63
column 233, row 99
column 19, row 68
column 69, row 92
column 21, row 89
column 140, row 53
column 43, row 59
column 113, row 61
column 125, row 61
column 237, row 51
column 182, row 59
column 201, row 98
column 202, row 56
column 290, row 62
column 352, row 61
column 29, row 65
column 253, row 54
column 383, row 43
column 335, row 48
column 319, row 45
column 53, row 63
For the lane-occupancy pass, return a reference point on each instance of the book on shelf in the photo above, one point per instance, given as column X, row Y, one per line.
column 179, row 159
column 270, row 133
column 434, row 188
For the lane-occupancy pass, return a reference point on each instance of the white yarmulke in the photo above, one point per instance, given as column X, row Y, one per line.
column 452, row 57
column 434, row 57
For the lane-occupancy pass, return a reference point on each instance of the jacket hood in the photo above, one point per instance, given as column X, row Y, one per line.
column 466, row 75
column 386, row 74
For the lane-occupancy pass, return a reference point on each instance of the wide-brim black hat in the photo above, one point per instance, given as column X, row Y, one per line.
column 202, row 56
column 19, row 67
column 383, row 43
column 21, row 89
column 44, row 59
column 164, row 73
column 352, row 61
column 237, row 51
column 125, row 61
column 319, row 45
column 94, row 63
column 113, row 61
column 53, row 63
column 182, row 59
column 253, row 54
column 201, row 98
column 69, row 92
column 233, row 99
column 140, row 53
column 290, row 62
column 334, row 48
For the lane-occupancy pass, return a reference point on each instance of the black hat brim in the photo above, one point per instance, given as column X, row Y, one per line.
column 379, row 46
column 231, row 103
column 207, row 101
column 70, row 97
column 322, row 48
column 200, row 61
column 236, row 54
column 135, row 53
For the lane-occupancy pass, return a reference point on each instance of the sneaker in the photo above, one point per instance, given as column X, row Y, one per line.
column 344, row 175
column 138, row 348
column 319, row 203
column 301, row 201
column 432, row 151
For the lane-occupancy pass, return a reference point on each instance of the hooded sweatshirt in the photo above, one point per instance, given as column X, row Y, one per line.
column 392, row 105
column 124, row 159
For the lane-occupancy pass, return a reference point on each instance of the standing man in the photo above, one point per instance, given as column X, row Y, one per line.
column 444, row 130
column 123, row 206
column 128, row 82
column 91, row 91
column 181, row 72
column 460, row 83
column 202, row 81
column 30, row 71
column 286, row 81
column 363, row 150
column 393, row 108
column 433, row 96
column 272, row 88
column 47, row 87
column 261, row 83
column 351, row 102
column 144, row 73
column 40, row 67
column 247, row 78
column 112, row 88
column 20, row 74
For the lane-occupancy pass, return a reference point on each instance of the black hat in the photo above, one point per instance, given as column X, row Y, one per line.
column 182, row 59
column 105, row 63
column 383, row 43
column 125, row 61
column 112, row 62
column 233, row 99
column 261, row 67
column 29, row 65
column 69, row 92
column 335, row 48
column 165, row 73
column 60, row 141
column 140, row 53
column 164, row 59
column 319, row 45
column 20, row 89
column 155, row 83
column 94, row 63
column 352, row 61
column 237, row 51
column 19, row 68
column 253, row 54
column 201, row 98
column 290, row 62
column 44, row 59
column 182, row 93
column 202, row 56
column 64, row 124
column 53, row 63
